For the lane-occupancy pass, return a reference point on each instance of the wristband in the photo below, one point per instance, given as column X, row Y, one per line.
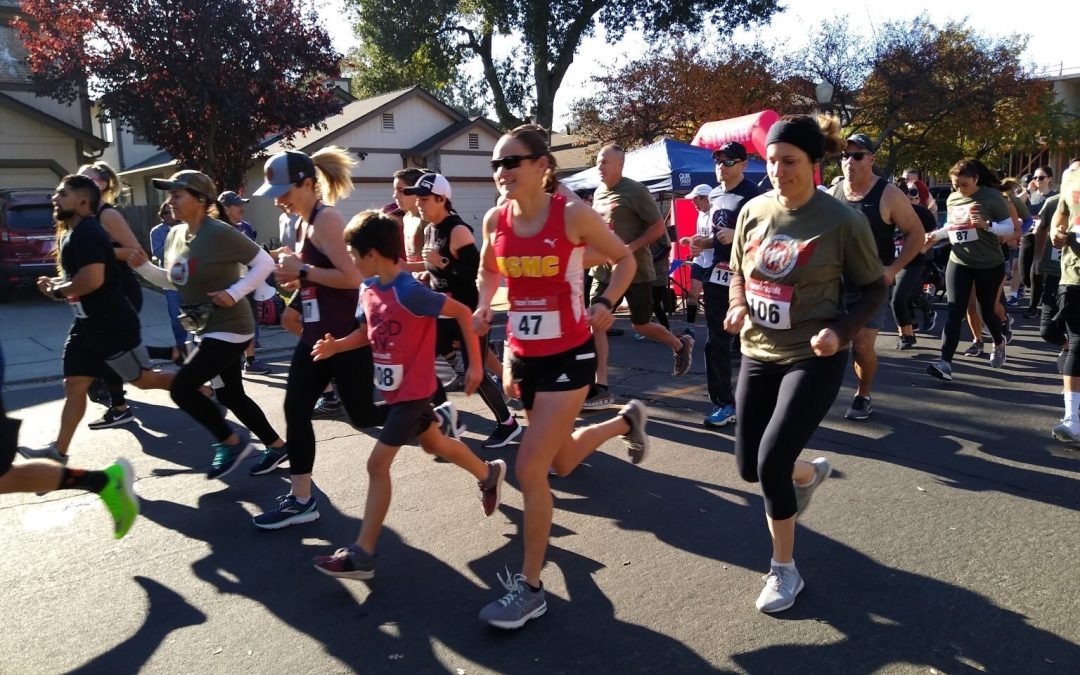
column 57, row 295
column 603, row 301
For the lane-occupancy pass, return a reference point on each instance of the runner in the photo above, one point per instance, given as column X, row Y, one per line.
column 1065, row 229
column 701, row 264
column 232, row 212
column 791, row 248
column 104, row 335
column 158, row 235
column 909, row 280
column 977, row 216
column 1047, row 267
column 202, row 260
column 413, row 224
column 398, row 316
column 537, row 241
column 1043, row 178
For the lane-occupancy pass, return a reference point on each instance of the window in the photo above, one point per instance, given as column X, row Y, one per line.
column 107, row 132
column 474, row 141
column 388, row 121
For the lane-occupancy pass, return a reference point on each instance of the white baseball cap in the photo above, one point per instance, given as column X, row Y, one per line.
column 430, row 184
column 702, row 190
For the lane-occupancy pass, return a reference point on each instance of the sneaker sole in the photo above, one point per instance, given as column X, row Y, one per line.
column 359, row 575
column 273, row 467
column 599, row 405
column 938, row 374
column 511, row 625
column 512, row 438
column 298, row 519
column 109, row 425
column 244, row 454
column 717, row 425
column 129, row 490
column 1063, row 438
column 857, row 416
column 774, row 610
column 642, row 423
column 498, row 489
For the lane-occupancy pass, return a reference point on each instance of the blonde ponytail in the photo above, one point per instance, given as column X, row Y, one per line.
column 334, row 167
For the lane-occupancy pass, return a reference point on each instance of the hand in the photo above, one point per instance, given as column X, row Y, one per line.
column 324, row 348
column 481, row 320
column 733, row 322
column 1059, row 239
column 930, row 241
column 976, row 218
column 292, row 321
column 289, row 286
column 687, row 241
column 725, row 236
column 826, row 342
column 137, row 258
column 511, row 388
column 889, row 275
column 472, row 378
column 600, row 317
column 288, row 268
column 433, row 258
column 45, row 284
column 222, row 298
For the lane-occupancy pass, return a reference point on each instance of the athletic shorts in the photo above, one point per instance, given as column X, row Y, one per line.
column 699, row 273
column 405, row 422
column 9, row 442
column 566, row 371
column 879, row 319
column 89, row 355
column 638, row 296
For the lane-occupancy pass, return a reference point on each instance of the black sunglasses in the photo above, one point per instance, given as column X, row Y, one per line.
column 1041, row 177
column 914, row 192
column 857, row 156
column 727, row 162
column 512, row 161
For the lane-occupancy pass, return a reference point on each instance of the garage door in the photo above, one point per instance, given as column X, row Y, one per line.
column 472, row 201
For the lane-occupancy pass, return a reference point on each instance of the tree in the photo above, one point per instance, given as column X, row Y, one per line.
column 672, row 94
column 835, row 54
column 523, row 85
column 205, row 81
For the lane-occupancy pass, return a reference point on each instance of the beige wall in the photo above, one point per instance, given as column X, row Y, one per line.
column 487, row 140
column 415, row 120
column 23, row 137
column 28, row 178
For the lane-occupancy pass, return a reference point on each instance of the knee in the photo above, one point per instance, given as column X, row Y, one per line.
column 531, row 473
column 76, row 386
column 378, row 464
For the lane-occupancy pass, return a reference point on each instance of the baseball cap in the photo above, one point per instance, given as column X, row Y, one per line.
column 187, row 180
column 430, row 184
column 702, row 190
column 230, row 198
column 730, row 150
column 282, row 171
column 863, row 141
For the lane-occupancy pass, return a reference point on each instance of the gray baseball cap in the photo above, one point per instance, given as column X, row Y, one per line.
column 195, row 181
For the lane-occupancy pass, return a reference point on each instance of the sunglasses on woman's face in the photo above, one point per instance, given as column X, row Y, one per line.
column 726, row 162
column 1041, row 177
column 913, row 193
column 857, row 156
column 511, row 161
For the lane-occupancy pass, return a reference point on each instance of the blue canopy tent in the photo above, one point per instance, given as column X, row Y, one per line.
column 666, row 166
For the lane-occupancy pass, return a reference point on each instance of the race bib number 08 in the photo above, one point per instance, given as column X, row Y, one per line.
column 769, row 304
column 388, row 375
column 534, row 318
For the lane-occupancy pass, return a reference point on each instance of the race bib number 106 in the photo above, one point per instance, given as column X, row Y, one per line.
column 769, row 304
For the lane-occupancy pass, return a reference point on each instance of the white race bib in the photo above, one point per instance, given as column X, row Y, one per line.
column 389, row 370
column 309, row 302
column 534, row 318
column 769, row 304
column 898, row 244
column 1055, row 253
column 721, row 274
column 75, row 305
column 962, row 234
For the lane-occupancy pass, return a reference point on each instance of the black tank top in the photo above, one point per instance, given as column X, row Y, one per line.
column 128, row 279
column 455, row 280
column 870, row 205
column 325, row 309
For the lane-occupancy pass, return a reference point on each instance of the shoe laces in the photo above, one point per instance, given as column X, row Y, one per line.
column 514, row 585
column 775, row 578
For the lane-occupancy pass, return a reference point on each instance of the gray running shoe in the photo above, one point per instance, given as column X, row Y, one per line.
column 598, row 398
column 997, row 357
column 637, row 440
column 803, row 493
column 942, row 370
column 782, row 584
column 1064, row 433
column 519, row 605
column 48, row 452
column 684, row 358
column 491, row 487
column 448, row 421
column 976, row 349
column 860, row 408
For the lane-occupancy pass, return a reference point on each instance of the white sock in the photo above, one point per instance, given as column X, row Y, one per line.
column 787, row 565
column 302, row 500
column 1072, row 410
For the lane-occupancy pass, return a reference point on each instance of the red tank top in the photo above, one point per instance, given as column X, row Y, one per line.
column 400, row 322
column 544, row 279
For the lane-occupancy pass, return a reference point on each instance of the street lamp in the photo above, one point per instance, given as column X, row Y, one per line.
column 823, row 92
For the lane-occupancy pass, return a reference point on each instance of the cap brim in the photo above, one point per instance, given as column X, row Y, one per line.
column 270, row 190
column 417, row 191
column 166, row 184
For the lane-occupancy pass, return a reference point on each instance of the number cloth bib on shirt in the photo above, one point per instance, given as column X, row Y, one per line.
column 721, row 274
column 535, row 318
column 769, row 304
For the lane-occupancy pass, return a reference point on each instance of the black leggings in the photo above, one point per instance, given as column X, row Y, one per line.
column 1027, row 257
column 780, row 407
column 353, row 372
column 958, row 282
column 659, row 294
column 1051, row 327
column 718, row 345
column 217, row 358
column 908, row 281
column 449, row 332
column 1068, row 312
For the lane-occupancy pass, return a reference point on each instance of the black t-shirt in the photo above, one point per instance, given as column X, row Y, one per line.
column 458, row 279
column 724, row 210
column 107, row 309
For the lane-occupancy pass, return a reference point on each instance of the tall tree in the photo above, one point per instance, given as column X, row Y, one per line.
column 837, row 55
column 523, row 85
column 205, row 81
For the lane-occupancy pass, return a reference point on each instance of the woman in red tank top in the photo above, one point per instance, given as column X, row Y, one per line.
column 537, row 241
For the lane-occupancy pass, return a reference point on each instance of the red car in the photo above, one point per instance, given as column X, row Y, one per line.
column 27, row 237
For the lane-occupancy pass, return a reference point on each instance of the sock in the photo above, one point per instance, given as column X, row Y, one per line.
column 78, row 479
column 787, row 565
column 509, row 421
column 535, row 589
column 1072, row 409
column 302, row 500
column 691, row 312
column 250, row 359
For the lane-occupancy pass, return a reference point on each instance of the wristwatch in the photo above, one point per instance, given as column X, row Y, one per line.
column 304, row 269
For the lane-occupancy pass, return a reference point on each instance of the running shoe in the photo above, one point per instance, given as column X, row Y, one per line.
column 347, row 563
column 448, row 421
column 491, row 487
column 455, row 383
column 1013, row 299
column 976, row 349
column 929, row 321
column 228, row 457
column 119, row 497
column 1007, row 330
column 256, row 367
column 289, row 511
column 639, row 337
column 637, row 440
column 99, row 392
column 1064, row 354
column 906, row 342
column 326, row 406
column 942, row 370
column 803, row 493
column 269, row 459
column 518, row 606
column 48, row 452
column 722, row 415
column 690, row 331
column 1032, row 312
column 598, row 398
column 112, row 418
column 684, row 358
column 997, row 356
column 782, row 584
column 1064, row 433
column 860, row 408
column 503, row 435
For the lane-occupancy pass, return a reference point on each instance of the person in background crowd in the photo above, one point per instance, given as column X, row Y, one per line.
column 909, row 280
column 232, row 206
column 1043, row 179
column 172, row 297
column 700, row 265
column 913, row 177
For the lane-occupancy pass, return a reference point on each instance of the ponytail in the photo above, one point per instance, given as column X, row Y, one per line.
column 334, row 168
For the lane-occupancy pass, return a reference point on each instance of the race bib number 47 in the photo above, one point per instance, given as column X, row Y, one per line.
column 534, row 318
column 769, row 304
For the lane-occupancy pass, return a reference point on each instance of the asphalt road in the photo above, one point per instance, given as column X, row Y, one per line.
column 947, row 541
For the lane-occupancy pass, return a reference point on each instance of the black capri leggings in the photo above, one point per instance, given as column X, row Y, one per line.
column 958, row 282
column 908, row 281
column 1051, row 327
column 448, row 332
column 218, row 358
column 1068, row 312
column 353, row 372
column 780, row 407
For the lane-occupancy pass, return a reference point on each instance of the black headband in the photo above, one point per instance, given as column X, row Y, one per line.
column 803, row 133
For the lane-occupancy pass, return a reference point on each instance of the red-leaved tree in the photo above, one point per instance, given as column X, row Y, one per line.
column 205, row 81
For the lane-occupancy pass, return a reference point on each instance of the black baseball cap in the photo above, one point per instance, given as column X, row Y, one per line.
column 863, row 141
column 730, row 150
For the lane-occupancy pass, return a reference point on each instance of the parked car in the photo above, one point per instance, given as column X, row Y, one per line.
column 27, row 237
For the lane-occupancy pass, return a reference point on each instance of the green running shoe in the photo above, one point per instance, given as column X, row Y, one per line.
column 119, row 497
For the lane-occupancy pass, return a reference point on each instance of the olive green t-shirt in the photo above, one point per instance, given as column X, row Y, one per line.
column 972, row 247
column 1022, row 210
column 792, row 263
column 629, row 210
column 1069, row 205
column 207, row 262
column 1051, row 260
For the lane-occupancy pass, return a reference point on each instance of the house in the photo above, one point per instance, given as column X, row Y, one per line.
column 573, row 153
column 400, row 129
column 41, row 140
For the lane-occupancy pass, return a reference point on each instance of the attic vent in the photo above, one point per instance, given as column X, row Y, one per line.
column 388, row 121
column 474, row 141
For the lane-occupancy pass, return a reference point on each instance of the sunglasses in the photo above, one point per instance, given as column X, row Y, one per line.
column 913, row 193
column 857, row 156
column 727, row 162
column 512, row 161
column 1041, row 177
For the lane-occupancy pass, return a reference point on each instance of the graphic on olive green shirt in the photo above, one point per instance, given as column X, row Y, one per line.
column 972, row 247
column 208, row 262
column 629, row 210
column 1069, row 208
column 792, row 262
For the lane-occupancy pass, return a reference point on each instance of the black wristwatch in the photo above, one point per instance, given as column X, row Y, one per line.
column 304, row 271
column 602, row 301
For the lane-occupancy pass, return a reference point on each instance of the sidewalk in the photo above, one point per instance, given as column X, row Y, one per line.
column 33, row 329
